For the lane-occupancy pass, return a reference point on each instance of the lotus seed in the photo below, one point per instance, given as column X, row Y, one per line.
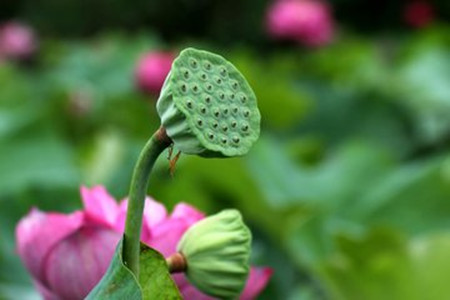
column 243, row 98
column 223, row 72
column 216, row 112
column 207, row 65
column 236, row 139
column 246, row 113
column 233, row 124
column 222, row 96
column 245, row 127
column 224, row 140
column 225, row 128
column 193, row 63
column 234, row 85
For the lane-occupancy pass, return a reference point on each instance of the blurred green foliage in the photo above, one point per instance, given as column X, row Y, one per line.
column 347, row 191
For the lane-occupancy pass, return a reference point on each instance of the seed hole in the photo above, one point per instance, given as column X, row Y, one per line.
column 223, row 72
column 216, row 113
column 183, row 88
column 208, row 99
column 203, row 110
column 222, row 96
column 225, row 128
column 234, row 85
column 245, row 128
column 203, row 76
column 199, row 122
column 211, row 136
column 219, row 81
column 189, row 104
column 215, row 125
column 236, row 139
column 209, row 87
column 225, row 111
column 243, row 98
column 195, row 88
column 234, row 124
column 186, row 74
column 193, row 63
column 224, row 140
column 235, row 110
column 246, row 113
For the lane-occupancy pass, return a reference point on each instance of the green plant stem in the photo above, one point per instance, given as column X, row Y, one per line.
column 136, row 200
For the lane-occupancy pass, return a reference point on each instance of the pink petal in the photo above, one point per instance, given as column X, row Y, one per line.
column 165, row 235
column 46, row 293
column 188, row 291
column 181, row 281
column 77, row 263
column 191, row 293
column 188, row 213
column 38, row 232
column 257, row 281
column 119, row 224
column 154, row 212
column 99, row 205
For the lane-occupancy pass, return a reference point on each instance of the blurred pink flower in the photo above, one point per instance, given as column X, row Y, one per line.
column 419, row 14
column 151, row 71
column 17, row 41
column 308, row 22
column 68, row 254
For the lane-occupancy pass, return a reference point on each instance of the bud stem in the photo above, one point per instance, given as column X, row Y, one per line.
column 136, row 200
column 177, row 263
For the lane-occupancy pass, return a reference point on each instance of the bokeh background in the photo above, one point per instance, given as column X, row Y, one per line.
column 347, row 191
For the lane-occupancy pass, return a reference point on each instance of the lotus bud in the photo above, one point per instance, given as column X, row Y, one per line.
column 151, row 70
column 217, row 250
column 207, row 107
column 17, row 41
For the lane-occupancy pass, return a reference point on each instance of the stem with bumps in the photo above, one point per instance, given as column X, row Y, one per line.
column 136, row 200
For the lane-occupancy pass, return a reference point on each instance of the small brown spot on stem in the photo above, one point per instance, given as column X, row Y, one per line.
column 177, row 263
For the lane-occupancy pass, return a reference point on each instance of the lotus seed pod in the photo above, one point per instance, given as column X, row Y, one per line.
column 207, row 107
column 217, row 251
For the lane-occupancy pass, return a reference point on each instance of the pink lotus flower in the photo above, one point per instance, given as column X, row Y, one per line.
column 68, row 254
column 308, row 22
column 17, row 41
column 151, row 71
column 419, row 14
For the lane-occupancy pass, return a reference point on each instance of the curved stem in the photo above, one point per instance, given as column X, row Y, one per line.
column 136, row 200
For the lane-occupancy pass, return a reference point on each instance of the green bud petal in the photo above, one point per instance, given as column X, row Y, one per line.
column 217, row 251
column 207, row 107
